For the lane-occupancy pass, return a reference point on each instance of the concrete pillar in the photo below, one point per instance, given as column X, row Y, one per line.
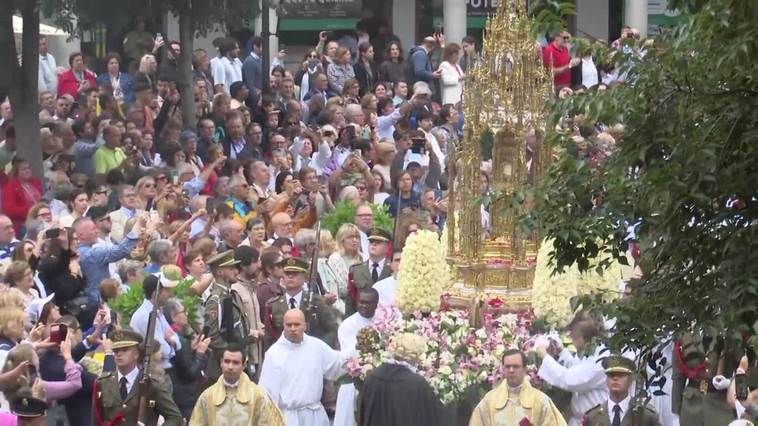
column 635, row 15
column 454, row 20
column 404, row 22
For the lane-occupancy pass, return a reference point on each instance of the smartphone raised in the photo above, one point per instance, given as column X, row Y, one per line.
column 52, row 233
column 58, row 333
column 418, row 146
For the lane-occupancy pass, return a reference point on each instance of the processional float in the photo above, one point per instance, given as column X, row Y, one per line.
column 504, row 95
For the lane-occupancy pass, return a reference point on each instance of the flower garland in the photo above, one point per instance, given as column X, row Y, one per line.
column 423, row 273
column 552, row 293
column 457, row 356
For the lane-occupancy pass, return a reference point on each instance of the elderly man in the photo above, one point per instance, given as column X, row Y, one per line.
column 261, row 180
column 8, row 239
column 235, row 144
column 110, row 155
column 162, row 252
column 234, row 398
column 231, row 235
column 282, row 226
column 164, row 334
column 394, row 394
column 515, row 399
column 364, row 220
column 368, row 273
column 238, row 200
column 348, row 334
column 294, row 370
column 94, row 259
column 48, row 69
column 127, row 197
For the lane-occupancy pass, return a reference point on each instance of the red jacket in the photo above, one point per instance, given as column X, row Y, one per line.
column 69, row 85
column 15, row 204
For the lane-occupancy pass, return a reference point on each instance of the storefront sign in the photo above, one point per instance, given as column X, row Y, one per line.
column 321, row 9
column 481, row 7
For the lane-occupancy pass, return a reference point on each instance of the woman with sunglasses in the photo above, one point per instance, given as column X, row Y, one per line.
column 146, row 193
column 311, row 65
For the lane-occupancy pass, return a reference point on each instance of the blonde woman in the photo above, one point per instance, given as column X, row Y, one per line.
column 348, row 254
column 332, row 283
column 146, row 193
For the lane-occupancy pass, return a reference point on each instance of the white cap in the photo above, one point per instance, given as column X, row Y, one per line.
column 34, row 310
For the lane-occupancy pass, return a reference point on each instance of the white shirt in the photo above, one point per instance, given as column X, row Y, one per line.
column 298, row 297
column 48, row 74
column 386, row 289
column 623, row 404
column 226, row 72
column 131, row 378
column 379, row 268
column 293, row 375
column 589, row 72
column 385, row 125
column 139, row 324
column 583, row 377
column 340, row 154
column 364, row 245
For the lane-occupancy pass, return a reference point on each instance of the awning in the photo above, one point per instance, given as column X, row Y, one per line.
column 18, row 28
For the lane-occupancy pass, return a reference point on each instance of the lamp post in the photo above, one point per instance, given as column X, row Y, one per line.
column 266, row 36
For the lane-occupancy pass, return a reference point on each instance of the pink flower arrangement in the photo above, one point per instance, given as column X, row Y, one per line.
column 458, row 356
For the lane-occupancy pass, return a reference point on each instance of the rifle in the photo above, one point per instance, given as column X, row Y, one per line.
column 312, row 268
column 147, row 351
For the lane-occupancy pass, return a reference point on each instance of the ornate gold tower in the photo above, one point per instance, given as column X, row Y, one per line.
column 504, row 94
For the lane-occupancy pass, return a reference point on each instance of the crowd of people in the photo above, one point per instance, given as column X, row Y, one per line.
column 253, row 306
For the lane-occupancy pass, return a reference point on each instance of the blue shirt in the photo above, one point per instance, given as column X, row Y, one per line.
column 139, row 324
column 94, row 261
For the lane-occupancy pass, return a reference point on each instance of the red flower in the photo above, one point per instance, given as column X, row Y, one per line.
column 495, row 303
column 525, row 422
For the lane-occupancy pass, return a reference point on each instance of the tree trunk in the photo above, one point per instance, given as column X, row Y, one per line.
column 185, row 82
column 23, row 79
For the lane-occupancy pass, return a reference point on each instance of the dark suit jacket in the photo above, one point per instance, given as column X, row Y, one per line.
column 252, row 77
column 244, row 155
column 361, row 279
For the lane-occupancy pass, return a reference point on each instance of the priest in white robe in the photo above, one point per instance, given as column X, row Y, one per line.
column 582, row 375
column 368, row 300
column 294, row 370
column 388, row 286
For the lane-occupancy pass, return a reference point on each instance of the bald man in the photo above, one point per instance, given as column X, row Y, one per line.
column 282, row 225
column 294, row 370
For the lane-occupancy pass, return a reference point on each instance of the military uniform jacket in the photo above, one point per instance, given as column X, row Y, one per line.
column 110, row 409
column 320, row 317
column 635, row 416
column 213, row 321
column 360, row 280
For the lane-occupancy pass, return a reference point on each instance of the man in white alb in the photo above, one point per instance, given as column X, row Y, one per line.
column 294, row 370
column 348, row 333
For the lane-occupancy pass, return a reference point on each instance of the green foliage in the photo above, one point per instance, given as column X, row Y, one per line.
column 684, row 169
column 344, row 212
column 548, row 16
column 129, row 302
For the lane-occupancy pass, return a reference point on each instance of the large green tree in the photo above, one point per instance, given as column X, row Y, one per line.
column 684, row 168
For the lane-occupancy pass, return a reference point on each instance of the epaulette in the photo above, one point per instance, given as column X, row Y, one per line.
column 597, row 407
column 273, row 299
column 105, row 375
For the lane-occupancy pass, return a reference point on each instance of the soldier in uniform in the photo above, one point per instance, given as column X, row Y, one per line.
column 620, row 409
column 117, row 394
column 225, row 316
column 368, row 273
column 321, row 319
column 29, row 410
column 698, row 359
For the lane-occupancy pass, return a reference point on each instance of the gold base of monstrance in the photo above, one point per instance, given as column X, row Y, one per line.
column 504, row 96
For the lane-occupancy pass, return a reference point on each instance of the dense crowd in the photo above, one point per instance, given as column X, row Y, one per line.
column 213, row 227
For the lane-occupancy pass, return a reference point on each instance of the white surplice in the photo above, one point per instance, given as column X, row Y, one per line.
column 348, row 334
column 386, row 289
column 293, row 375
column 583, row 377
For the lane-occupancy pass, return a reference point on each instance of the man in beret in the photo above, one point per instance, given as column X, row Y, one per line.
column 117, row 394
column 620, row 409
column 321, row 318
column 373, row 270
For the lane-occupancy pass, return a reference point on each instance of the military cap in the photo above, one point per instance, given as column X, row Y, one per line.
column 28, row 407
column 294, row 264
column 222, row 259
column 618, row 364
column 125, row 338
column 379, row 235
